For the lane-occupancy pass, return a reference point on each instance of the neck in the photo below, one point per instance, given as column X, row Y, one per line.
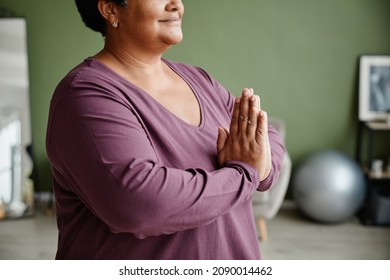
column 139, row 67
column 130, row 58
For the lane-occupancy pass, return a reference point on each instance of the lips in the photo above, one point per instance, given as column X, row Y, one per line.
column 175, row 19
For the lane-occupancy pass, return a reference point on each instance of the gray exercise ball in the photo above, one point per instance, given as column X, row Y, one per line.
column 329, row 186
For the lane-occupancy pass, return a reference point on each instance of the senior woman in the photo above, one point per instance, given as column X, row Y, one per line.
column 154, row 159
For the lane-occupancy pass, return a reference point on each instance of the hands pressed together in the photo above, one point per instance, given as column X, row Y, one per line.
column 247, row 139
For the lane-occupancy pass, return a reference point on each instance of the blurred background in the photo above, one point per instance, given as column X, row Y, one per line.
column 301, row 57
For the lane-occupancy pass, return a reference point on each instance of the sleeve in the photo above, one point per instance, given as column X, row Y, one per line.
column 96, row 142
column 277, row 146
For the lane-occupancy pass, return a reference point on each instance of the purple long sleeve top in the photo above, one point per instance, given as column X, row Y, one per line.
column 133, row 181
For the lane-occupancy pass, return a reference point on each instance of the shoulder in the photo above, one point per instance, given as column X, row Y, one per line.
column 87, row 78
column 89, row 71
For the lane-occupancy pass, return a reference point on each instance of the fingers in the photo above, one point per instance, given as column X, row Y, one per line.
column 258, row 104
column 240, row 112
column 222, row 137
column 244, row 111
column 235, row 115
column 262, row 127
column 253, row 114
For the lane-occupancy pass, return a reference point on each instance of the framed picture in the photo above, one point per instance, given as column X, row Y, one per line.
column 374, row 87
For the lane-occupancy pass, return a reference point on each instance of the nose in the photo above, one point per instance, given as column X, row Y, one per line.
column 175, row 5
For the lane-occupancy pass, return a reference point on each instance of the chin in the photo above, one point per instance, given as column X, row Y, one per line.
column 173, row 40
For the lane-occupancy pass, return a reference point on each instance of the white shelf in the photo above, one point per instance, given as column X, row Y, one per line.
column 378, row 125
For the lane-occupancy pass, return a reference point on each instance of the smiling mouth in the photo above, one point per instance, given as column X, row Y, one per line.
column 170, row 20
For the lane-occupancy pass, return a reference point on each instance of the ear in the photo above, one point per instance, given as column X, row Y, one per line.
column 108, row 10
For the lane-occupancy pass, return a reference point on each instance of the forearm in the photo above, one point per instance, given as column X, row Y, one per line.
column 151, row 200
column 147, row 199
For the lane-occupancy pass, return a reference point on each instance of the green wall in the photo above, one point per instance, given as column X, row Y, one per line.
column 300, row 56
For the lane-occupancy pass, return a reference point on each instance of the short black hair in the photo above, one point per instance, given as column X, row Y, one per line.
column 91, row 16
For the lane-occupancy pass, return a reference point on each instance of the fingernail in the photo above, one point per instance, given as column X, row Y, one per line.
column 245, row 93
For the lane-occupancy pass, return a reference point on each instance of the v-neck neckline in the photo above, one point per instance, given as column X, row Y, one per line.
column 177, row 72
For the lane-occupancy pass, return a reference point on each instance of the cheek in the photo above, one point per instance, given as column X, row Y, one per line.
column 152, row 11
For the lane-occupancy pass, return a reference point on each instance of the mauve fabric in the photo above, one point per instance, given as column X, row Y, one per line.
column 133, row 181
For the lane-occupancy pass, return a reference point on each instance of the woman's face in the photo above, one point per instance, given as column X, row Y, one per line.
column 151, row 23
